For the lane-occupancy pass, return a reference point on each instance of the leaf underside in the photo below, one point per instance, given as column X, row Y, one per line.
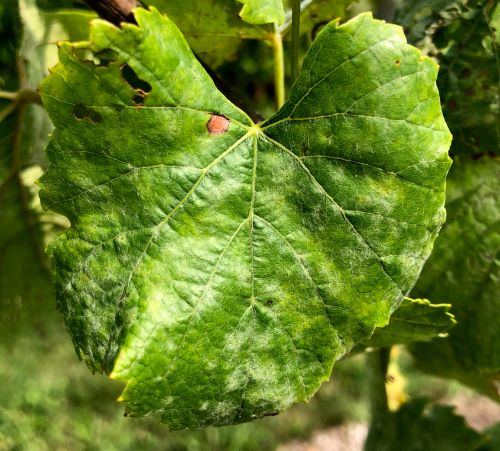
column 220, row 267
column 414, row 320
column 262, row 11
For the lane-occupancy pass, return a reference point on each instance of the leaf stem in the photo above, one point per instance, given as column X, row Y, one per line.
column 285, row 28
column 18, row 98
column 115, row 11
column 8, row 95
column 10, row 108
column 23, row 195
column 279, row 69
column 378, row 362
column 295, row 39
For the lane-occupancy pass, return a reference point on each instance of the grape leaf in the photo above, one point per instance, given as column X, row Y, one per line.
column 220, row 267
column 463, row 36
column 317, row 13
column 414, row 320
column 465, row 269
column 259, row 12
column 418, row 426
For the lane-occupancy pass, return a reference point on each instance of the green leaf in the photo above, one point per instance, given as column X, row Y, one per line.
column 213, row 28
column 259, row 12
column 465, row 270
column 24, row 228
column 418, row 426
column 220, row 267
column 461, row 35
column 67, row 24
column 317, row 13
column 414, row 320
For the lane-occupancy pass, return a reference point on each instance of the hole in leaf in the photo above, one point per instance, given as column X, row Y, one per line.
column 138, row 99
column 84, row 55
column 105, row 57
column 80, row 111
column 133, row 80
column 95, row 116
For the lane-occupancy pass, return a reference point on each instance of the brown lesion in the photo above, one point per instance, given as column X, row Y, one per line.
column 218, row 125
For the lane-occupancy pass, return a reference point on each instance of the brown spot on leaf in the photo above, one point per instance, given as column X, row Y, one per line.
column 217, row 125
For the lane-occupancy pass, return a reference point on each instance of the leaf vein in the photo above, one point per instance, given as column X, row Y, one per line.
column 337, row 206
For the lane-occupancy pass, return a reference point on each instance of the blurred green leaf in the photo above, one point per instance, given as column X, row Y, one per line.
column 464, row 269
column 258, row 12
column 26, row 229
column 213, row 28
column 464, row 37
column 317, row 13
column 414, row 320
column 421, row 426
column 492, row 438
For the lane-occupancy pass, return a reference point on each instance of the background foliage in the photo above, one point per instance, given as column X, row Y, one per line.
column 48, row 400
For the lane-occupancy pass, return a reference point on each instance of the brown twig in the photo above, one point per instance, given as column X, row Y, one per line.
column 23, row 195
column 115, row 11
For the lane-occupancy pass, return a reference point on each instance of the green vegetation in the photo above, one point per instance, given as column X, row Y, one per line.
column 225, row 200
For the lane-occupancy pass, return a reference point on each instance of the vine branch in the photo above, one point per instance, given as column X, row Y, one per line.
column 295, row 39
column 115, row 11
column 378, row 362
column 279, row 69
column 23, row 195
